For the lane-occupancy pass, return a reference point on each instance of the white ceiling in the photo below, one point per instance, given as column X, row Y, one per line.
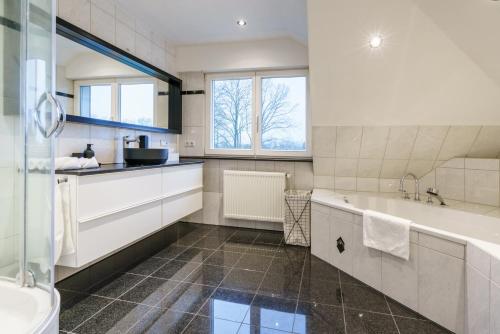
column 68, row 50
column 206, row 21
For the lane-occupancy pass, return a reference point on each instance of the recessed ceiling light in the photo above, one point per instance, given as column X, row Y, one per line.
column 376, row 41
column 241, row 22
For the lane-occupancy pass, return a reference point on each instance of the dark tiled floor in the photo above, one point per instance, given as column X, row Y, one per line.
column 223, row 280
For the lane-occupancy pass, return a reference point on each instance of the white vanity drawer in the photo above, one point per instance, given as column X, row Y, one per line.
column 105, row 235
column 178, row 207
column 182, row 178
column 103, row 194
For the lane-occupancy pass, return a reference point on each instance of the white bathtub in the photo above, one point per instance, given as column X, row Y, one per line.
column 27, row 310
column 443, row 242
column 446, row 222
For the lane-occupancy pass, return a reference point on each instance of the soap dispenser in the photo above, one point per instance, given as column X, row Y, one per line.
column 88, row 153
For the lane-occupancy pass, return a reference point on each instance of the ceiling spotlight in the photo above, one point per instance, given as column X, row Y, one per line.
column 241, row 23
column 376, row 41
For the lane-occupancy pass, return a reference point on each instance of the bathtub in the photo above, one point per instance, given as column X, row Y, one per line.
column 446, row 222
column 28, row 310
column 444, row 244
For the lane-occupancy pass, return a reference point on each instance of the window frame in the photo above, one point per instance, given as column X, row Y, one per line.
column 209, row 117
column 96, row 82
column 115, row 84
column 256, row 149
column 137, row 81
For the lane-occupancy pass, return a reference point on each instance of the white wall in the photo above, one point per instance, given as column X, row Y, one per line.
column 418, row 77
column 93, row 66
column 236, row 56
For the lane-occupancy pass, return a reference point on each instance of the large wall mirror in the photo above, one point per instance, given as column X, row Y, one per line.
column 98, row 83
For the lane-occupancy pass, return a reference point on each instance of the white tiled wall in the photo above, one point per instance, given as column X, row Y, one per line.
column 470, row 180
column 213, row 171
column 108, row 20
column 193, row 115
column 432, row 282
column 107, row 142
column 352, row 157
column 113, row 23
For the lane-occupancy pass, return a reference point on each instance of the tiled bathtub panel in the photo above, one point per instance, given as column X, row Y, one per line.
column 321, row 208
column 320, row 232
column 366, row 262
column 495, row 270
column 431, row 282
column 478, row 259
column 494, row 308
column 478, row 308
column 441, row 288
column 342, row 215
column 400, row 278
column 444, row 246
column 414, row 237
column 344, row 229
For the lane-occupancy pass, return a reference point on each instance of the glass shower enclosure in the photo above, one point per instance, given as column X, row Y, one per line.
column 29, row 120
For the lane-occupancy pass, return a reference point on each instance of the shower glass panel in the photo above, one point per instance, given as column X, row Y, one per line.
column 39, row 117
column 12, row 152
column 26, row 118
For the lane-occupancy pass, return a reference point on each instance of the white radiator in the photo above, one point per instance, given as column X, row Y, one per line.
column 254, row 195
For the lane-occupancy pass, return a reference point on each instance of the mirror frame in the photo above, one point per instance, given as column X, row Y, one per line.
column 82, row 37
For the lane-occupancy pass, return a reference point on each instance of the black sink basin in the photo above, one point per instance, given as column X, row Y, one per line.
column 145, row 156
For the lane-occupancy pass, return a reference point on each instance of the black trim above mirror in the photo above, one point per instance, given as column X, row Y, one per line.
column 80, row 36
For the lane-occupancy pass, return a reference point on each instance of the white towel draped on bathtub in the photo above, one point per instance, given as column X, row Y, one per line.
column 64, row 243
column 387, row 233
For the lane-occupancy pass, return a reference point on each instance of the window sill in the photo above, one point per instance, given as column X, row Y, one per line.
column 250, row 158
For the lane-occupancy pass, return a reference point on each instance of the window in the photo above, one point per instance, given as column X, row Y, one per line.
column 232, row 113
column 283, row 113
column 137, row 103
column 263, row 113
column 95, row 101
column 127, row 100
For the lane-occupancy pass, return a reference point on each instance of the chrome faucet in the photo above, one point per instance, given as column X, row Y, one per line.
column 403, row 190
column 433, row 192
column 127, row 140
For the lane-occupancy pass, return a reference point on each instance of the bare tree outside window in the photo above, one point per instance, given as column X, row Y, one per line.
column 282, row 113
column 283, row 120
column 232, row 113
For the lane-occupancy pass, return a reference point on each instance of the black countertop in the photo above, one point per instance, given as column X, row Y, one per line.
column 114, row 168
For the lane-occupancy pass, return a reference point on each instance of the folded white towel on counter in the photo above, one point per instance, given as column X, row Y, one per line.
column 75, row 163
column 67, row 163
column 88, row 163
column 387, row 233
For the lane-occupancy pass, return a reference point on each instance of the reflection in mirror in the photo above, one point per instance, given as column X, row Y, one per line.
column 93, row 85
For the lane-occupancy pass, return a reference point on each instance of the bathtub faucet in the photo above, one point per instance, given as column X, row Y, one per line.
column 403, row 190
column 433, row 192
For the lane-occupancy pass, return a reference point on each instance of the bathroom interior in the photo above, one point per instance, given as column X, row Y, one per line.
column 264, row 166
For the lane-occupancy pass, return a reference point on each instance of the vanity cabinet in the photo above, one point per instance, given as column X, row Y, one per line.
column 112, row 210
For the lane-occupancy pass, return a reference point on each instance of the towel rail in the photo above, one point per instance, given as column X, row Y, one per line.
column 62, row 180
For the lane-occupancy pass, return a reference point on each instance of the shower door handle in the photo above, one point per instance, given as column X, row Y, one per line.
column 58, row 124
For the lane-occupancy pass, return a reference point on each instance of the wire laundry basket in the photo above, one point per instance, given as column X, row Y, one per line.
column 297, row 226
